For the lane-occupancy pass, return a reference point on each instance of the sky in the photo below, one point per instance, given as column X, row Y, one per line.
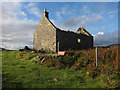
column 20, row 19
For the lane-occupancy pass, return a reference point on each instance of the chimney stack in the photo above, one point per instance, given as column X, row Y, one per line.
column 45, row 14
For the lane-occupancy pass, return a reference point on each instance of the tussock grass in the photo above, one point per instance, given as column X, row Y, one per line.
column 75, row 70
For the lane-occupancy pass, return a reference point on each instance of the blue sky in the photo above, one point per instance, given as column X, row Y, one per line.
column 20, row 19
column 59, row 12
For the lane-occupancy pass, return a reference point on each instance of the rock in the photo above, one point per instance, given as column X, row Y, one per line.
column 2, row 49
column 26, row 48
column 37, row 58
column 56, row 79
column 21, row 50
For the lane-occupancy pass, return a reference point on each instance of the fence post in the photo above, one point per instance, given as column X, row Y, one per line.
column 58, row 46
column 96, row 58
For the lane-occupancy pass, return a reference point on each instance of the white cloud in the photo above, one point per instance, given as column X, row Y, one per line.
column 58, row 14
column 53, row 21
column 85, row 10
column 31, row 4
column 23, row 13
column 107, row 28
column 112, row 12
column 102, row 28
column 84, row 20
column 35, row 11
column 64, row 11
column 107, row 39
column 32, row 9
column 15, row 46
column 10, row 12
column 17, row 31
column 111, row 16
column 100, row 33
column 93, row 35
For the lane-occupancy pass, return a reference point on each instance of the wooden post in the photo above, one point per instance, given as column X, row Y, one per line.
column 96, row 57
column 58, row 46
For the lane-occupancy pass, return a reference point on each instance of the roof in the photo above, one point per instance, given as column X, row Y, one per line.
column 82, row 30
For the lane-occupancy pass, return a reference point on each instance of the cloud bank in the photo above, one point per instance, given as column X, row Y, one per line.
column 17, row 30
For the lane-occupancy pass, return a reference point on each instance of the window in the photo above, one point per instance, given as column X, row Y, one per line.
column 79, row 40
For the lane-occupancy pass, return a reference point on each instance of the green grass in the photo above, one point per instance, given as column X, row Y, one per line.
column 23, row 73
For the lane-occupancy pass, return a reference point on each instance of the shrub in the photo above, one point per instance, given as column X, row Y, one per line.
column 76, row 66
column 112, row 80
column 49, row 62
column 67, row 61
column 81, row 63
column 60, row 62
column 29, row 56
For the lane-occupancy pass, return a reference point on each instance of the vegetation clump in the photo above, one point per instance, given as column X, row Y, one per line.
column 77, row 69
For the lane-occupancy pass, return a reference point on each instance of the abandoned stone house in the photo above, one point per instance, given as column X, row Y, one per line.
column 48, row 37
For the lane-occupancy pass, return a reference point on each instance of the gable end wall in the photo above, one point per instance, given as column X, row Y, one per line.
column 45, row 36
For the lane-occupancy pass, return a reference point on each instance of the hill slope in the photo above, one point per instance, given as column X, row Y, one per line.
column 75, row 70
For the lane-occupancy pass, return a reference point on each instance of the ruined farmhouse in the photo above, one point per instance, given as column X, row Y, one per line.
column 48, row 37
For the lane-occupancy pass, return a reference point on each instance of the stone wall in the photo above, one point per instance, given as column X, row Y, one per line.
column 70, row 40
column 45, row 36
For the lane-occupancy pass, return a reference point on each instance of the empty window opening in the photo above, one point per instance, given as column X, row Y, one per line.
column 79, row 40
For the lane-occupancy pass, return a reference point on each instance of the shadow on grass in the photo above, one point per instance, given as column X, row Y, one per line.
column 10, row 82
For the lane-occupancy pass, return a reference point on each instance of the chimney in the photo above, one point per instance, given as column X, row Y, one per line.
column 45, row 14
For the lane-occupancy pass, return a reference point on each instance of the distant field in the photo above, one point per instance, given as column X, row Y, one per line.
column 75, row 70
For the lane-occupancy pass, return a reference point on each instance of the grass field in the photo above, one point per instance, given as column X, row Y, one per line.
column 63, row 72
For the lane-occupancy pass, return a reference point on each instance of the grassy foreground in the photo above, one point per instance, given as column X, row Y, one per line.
column 58, row 73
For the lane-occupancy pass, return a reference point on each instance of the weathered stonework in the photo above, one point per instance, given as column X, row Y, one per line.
column 47, row 36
